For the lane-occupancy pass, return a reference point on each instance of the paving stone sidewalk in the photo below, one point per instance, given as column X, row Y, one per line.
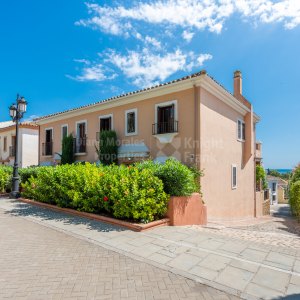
column 37, row 262
column 248, row 269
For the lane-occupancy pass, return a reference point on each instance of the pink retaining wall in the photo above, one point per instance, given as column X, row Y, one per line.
column 187, row 211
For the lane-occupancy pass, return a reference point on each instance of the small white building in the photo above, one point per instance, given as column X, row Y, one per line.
column 28, row 143
column 273, row 187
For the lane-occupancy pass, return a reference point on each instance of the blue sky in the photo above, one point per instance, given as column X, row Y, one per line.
column 63, row 54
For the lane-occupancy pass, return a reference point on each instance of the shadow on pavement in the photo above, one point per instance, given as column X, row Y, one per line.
column 290, row 297
column 24, row 210
column 282, row 215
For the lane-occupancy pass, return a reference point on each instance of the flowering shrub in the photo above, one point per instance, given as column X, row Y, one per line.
column 5, row 178
column 126, row 193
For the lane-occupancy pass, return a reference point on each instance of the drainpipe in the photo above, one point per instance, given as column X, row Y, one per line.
column 196, row 143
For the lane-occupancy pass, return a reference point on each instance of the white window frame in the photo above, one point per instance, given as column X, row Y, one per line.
column 52, row 134
column 62, row 126
column 241, row 138
column 6, row 144
column 234, row 187
column 134, row 110
column 80, row 122
column 52, row 131
column 167, row 103
column 111, row 116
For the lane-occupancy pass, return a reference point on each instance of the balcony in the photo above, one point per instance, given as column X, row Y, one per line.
column 165, row 127
column 80, row 145
column 12, row 151
column 165, row 131
column 47, row 149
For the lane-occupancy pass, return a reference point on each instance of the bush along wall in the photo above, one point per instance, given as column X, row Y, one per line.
column 124, row 192
column 178, row 179
column 140, row 192
column 5, row 178
column 294, row 194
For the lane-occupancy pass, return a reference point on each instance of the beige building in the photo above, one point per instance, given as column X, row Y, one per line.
column 193, row 119
column 28, row 144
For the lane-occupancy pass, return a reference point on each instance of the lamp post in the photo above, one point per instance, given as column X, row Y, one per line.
column 16, row 112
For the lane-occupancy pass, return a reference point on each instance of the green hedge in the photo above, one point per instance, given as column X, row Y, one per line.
column 139, row 192
column 124, row 192
column 295, row 198
column 5, row 178
column 178, row 179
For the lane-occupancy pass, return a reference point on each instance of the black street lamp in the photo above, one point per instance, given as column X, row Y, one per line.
column 16, row 112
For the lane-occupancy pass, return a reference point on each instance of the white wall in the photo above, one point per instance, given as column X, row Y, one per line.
column 5, row 154
column 275, row 194
column 29, row 147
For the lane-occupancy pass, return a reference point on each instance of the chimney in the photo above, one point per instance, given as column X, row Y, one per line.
column 237, row 85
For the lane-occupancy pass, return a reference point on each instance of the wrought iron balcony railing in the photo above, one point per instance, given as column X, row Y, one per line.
column 80, row 145
column 165, row 127
column 47, row 148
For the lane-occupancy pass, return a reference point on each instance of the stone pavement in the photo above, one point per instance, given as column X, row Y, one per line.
column 278, row 230
column 37, row 262
column 245, row 268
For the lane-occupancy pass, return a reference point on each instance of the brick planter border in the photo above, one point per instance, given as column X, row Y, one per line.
column 132, row 226
column 4, row 194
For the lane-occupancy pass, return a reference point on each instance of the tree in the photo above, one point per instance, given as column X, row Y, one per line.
column 261, row 177
column 67, row 155
column 108, row 148
column 296, row 174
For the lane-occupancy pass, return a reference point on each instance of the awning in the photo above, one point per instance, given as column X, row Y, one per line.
column 139, row 150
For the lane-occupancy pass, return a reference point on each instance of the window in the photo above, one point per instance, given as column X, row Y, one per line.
column 5, row 144
column 165, row 118
column 81, row 129
column 273, row 186
column 47, row 147
column 241, row 130
column 12, row 148
column 233, row 176
column 106, row 122
column 64, row 131
column 131, row 122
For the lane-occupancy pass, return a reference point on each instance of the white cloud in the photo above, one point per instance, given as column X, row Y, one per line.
column 96, row 72
column 187, row 35
column 202, row 58
column 266, row 11
column 83, row 61
column 191, row 14
column 153, row 41
column 146, row 68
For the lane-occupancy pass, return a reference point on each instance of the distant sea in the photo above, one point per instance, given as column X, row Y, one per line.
column 284, row 171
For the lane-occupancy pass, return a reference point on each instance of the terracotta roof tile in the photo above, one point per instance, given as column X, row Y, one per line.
column 194, row 75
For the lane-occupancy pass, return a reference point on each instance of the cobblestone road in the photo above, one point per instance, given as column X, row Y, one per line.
column 280, row 230
column 37, row 262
